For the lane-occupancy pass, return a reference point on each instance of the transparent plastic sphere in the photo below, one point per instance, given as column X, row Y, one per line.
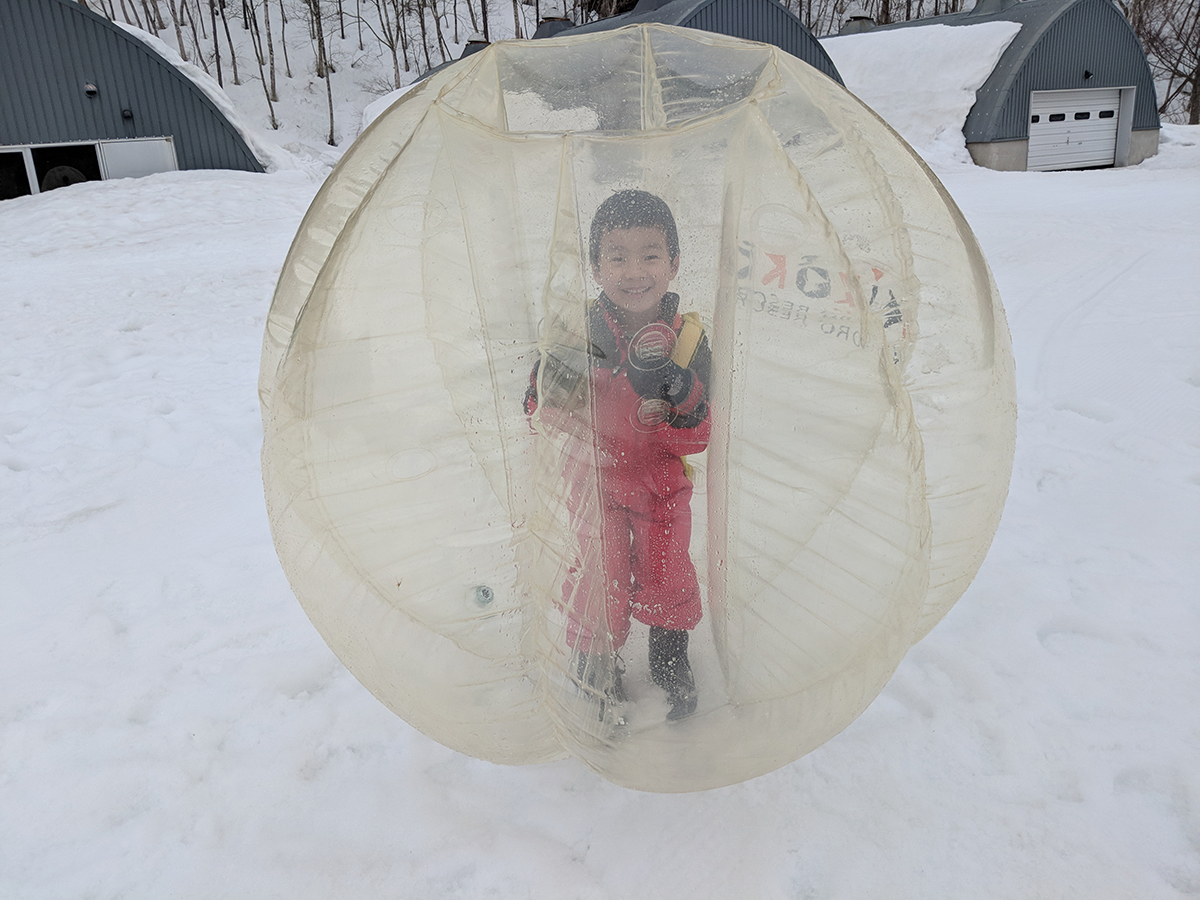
column 836, row 434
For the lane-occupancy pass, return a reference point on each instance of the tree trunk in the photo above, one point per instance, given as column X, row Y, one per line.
column 256, row 37
column 324, row 69
column 174, row 10
column 391, row 37
column 329, row 95
column 270, row 47
column 212, row 9
column 424, row 34
column 229, row 41
column 151, row 25
column 443, row 47
column 402, row 28
column 1194, row 97
column 287, row 64
column 256, row 42
column 191, row 16
column 136, row 18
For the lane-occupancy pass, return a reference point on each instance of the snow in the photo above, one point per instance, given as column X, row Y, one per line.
column 271, row 155
column 171, row 725
column 922, row 81
column 377, row 108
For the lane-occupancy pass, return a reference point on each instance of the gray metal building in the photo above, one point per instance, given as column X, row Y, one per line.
column 1073, row 90
column 82, row 100
column 765, row 21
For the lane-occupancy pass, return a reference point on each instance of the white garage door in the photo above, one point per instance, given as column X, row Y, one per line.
column 1073, row 129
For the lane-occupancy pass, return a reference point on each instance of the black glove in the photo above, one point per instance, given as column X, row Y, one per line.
column 670, row 382
column 563, row 375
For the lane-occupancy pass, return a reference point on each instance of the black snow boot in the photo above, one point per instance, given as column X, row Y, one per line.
column 671, row 671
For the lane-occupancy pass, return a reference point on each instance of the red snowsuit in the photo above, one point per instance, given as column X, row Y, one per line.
column 645, row 520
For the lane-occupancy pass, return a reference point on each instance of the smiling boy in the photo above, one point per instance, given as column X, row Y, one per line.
column 648, row 384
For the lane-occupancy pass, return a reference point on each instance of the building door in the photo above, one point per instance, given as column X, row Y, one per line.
column 1074, row 129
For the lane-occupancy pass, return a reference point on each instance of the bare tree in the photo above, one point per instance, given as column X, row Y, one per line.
column 125, row 12
column 212, row 9
column 174, row 10
column 324, row 66
column 270, row 47
column 388, row 33
column 402, row 10
column 154, row 19
column 1170, row 32
column 257, row 41
column 197, row 18
column 443, row 47
column 424, row 33
column 191, row 16
column 287, row 63
column 229, row 42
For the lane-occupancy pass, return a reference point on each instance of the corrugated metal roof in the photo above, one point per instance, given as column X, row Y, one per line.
column 1062, row 45
column 766, row 21
column 49, row 49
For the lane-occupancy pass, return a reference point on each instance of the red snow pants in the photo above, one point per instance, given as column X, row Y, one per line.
column 646, row 571
column 630, row 504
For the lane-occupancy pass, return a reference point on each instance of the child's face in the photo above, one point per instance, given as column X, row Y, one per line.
column 635, row 269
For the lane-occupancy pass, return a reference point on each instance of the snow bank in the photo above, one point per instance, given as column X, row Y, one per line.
column 922, row 80
column 271, row 155
column 374, row 110
column 1177, row 148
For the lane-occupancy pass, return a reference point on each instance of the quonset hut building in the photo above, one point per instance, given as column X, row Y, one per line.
column 83, row 100
column 1072, row 91
column 765, row 21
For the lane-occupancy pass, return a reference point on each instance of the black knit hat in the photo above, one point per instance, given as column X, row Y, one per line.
column 633, row 209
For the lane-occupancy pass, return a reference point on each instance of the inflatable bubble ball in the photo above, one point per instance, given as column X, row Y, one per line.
column 637, row 396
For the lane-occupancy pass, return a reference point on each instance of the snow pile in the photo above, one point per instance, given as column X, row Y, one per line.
column 1176, row 148
column 172, row 725
column 377, row 108
column 922, row 80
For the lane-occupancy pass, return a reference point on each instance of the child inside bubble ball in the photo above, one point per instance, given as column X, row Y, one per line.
column 648, row 368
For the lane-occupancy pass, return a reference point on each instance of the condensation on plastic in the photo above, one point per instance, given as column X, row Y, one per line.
column 862, row 401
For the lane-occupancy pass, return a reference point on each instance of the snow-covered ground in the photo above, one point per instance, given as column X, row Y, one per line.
column 172, row 726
